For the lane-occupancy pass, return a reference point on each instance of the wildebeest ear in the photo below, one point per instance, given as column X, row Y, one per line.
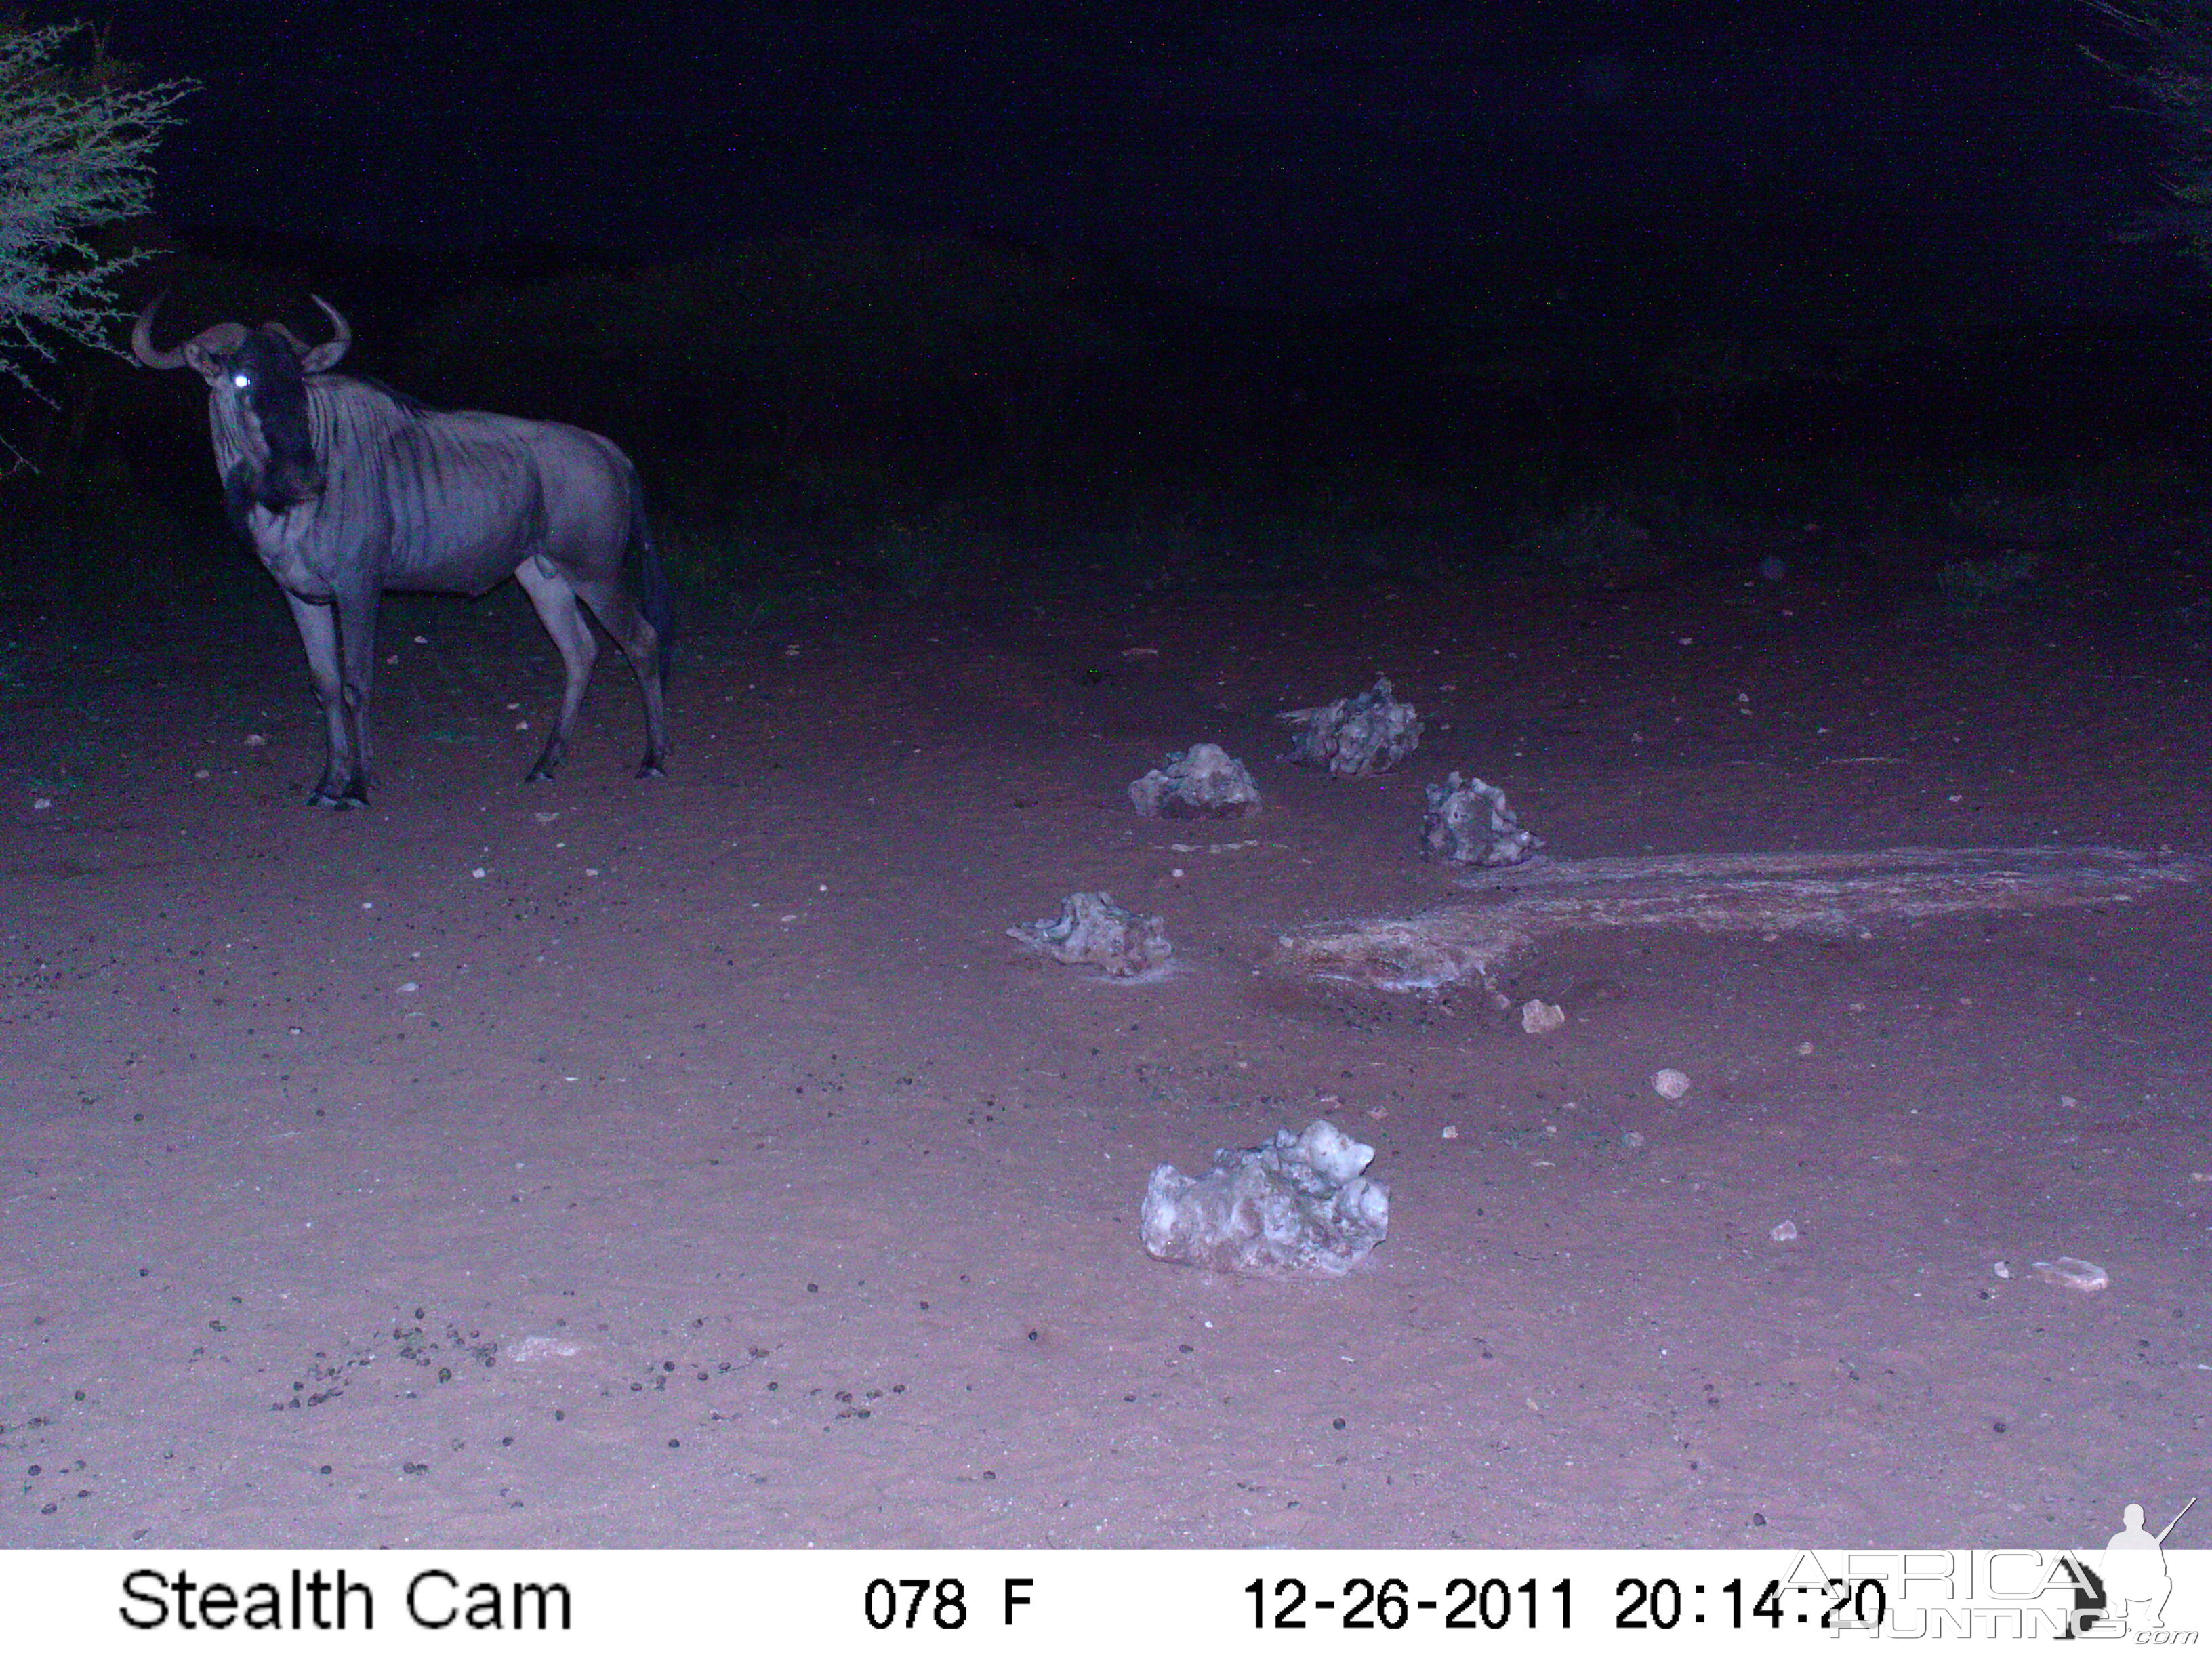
column 206, row 351
column 208, row 365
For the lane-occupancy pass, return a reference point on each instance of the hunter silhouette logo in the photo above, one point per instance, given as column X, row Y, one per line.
column 2127, row 1590
column 2136, row 1582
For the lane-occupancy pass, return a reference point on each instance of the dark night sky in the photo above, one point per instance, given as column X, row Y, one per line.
column 1248, row 153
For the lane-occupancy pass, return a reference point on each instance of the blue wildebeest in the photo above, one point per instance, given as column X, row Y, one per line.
column 347, row 489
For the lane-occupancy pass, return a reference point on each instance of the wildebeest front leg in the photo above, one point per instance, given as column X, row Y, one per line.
column 357, row 651
column 565, row 621
column 342, row 785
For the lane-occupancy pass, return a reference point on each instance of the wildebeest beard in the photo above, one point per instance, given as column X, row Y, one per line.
column 278, row 396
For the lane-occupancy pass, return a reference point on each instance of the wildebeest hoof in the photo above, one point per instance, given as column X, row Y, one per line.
column 540, row 774
column 339, row 800
column 650, row 768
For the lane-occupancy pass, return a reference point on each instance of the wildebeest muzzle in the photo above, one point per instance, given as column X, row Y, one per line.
column 280, row 471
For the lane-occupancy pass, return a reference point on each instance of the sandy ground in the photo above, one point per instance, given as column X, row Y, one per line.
column 697, row 1163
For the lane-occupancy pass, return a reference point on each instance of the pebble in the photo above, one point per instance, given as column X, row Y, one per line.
column 1541, row 1019
column 1632, row 1139
column 1670, row 1084
column 533, row 1348
column 1782, row 1231
column 2073, row 1273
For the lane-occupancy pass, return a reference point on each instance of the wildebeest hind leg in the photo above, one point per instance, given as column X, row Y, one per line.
column 564, row 620
column 612, row 603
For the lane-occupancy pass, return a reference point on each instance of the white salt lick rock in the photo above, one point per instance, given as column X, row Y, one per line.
column 1296, row 1204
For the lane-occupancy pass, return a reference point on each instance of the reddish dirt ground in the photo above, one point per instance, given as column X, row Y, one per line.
column 697, row 1163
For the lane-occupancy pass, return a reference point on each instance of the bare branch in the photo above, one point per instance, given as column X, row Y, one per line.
column 2171, row 67
column 76, row 156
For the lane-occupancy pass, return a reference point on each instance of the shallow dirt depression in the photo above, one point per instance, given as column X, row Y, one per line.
column 698, row 1162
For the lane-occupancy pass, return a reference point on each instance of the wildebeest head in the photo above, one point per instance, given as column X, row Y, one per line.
column 257, row 384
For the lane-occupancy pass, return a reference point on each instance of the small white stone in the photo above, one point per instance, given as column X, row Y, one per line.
column 1670, row 1084
column 477, row 872
column 1632, row 1139
column 1451, row 1132
column 532, row 1349
column 42, row 804
column 1782, row 1231
column 2070, row 1103
column 1804, row 1048
column 409, row 988
column 255, row 740
column 2002, row 1269
column 2073, row 1273
column 1541, row 1019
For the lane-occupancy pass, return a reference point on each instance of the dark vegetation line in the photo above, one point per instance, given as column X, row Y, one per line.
column 855, row 416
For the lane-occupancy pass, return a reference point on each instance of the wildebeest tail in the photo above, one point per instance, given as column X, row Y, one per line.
column 656, row 597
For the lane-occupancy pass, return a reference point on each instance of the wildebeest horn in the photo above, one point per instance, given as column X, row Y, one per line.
column 327, row 353
column 317, row 358
column 223, row 337
column 141, row 338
